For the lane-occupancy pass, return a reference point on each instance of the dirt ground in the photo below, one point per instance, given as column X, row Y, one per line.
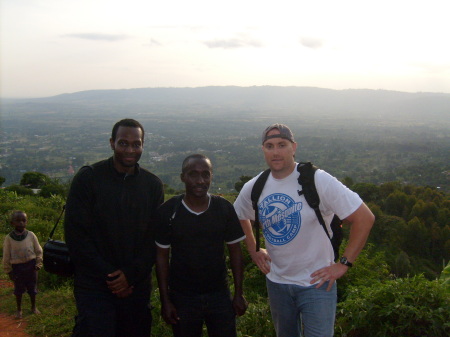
column 10, row 326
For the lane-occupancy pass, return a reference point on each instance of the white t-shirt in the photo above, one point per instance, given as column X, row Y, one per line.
column 295, row 240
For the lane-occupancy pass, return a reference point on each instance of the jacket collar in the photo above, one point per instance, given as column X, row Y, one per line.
column 137, row 169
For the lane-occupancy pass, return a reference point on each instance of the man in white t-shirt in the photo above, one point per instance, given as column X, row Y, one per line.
column 299, row 260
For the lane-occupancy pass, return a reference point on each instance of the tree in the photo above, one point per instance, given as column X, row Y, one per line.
column 399, row 204
column 426, row 211
column 368, row 192
column 242, row 180
column 402, row 265
column 387, row 231
column 416, row 239
column 34, row 180
column 53, row 189
column 443, row 217
column 2, row 180
column 347, row 181
column 388, row 188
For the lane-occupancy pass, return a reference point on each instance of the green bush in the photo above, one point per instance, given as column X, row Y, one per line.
column 402, row 307
column 445, row 277
column 34, row 179
column 53, row 189
column 20, row 190
column 369, row 268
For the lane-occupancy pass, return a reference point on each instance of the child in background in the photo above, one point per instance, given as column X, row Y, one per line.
column 22, row 258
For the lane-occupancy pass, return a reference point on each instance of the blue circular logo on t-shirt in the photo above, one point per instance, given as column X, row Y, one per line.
column 280, row 218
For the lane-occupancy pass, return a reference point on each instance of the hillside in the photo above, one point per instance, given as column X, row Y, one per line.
column 368, row 135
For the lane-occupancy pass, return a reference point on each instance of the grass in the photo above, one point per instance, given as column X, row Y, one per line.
column 57, row 308
column 55, row 298
column 57, row 305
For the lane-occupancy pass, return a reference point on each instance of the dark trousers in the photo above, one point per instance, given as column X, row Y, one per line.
column 213, row 309
column 102, row 314
column 25, row 278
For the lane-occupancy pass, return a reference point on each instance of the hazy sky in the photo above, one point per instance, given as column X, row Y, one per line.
column 50, row 47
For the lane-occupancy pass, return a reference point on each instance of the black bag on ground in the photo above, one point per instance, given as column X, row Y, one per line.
column 56, row 255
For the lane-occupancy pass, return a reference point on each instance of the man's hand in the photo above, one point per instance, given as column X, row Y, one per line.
column 169, row 312
column 240, row 305
column 118, row 284
column 361, row 222
column 262, row 260
column 331, row 274
column 127, row 292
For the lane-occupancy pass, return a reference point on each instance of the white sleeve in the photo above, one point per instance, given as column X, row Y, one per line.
column 335, row 197
column 243, row 204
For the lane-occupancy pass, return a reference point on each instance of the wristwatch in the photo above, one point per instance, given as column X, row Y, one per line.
column 345, row 262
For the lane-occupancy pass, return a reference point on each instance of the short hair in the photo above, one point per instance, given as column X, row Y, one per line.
column 13, row 214
column 186, row 160
column 128, row 122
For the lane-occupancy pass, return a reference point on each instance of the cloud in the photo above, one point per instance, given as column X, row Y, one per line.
column 311, row 42
column 153, row 43
column 231, row 43
column 97, row 36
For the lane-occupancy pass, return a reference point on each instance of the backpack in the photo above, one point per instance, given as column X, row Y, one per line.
column 306, row 180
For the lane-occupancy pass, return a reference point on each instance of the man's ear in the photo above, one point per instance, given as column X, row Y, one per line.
column 111, row 143
column 182, row 177
column 294, row 146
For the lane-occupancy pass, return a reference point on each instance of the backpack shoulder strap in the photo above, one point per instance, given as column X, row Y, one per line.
column 306, row 179
column 256, row 193
column 258, row 188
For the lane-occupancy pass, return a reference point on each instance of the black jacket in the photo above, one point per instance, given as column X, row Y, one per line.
column 109, row 225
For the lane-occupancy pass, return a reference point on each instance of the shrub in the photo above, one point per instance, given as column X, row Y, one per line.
column 20, row 190
column 445, row 277
column 53, row 189
column 34, row 179
column 370, row 268
column 402, row 307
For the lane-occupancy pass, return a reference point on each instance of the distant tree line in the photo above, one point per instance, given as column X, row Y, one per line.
column 38, row 183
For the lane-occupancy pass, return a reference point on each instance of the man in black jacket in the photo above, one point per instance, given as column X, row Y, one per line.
column 109, row 230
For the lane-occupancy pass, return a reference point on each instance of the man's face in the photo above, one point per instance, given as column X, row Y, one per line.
column 279, row 154
column 197, row 177
column 127, row 148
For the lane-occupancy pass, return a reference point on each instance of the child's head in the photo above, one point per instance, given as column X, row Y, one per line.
column 19, row 220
